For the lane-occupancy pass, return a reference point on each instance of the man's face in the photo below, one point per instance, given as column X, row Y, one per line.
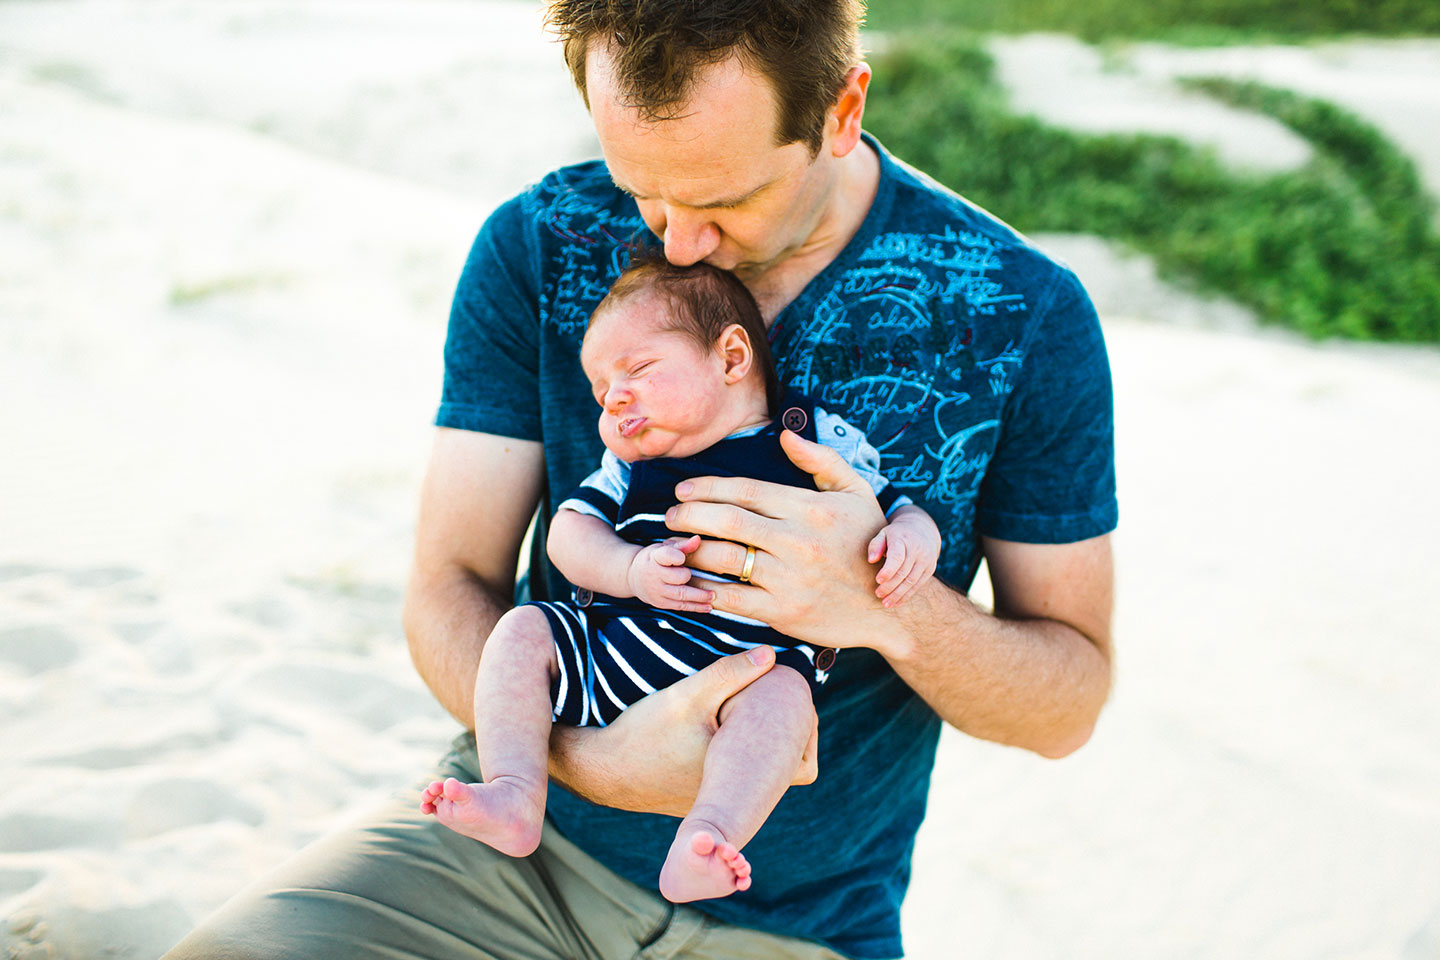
column 711, row 183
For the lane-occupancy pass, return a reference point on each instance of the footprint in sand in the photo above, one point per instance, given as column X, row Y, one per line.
column 16, row 880
column 47, row 930
column 375, row 702
column 19, row 571
column 25, row 936
column 102, row 576
column 173, row 804
column 32, row 832
column 37, row 648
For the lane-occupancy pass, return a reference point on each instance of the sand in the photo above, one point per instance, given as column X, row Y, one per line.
column 228, row 235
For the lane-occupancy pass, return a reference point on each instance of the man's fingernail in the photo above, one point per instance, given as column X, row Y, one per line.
column 684, row 489
column 759, row 656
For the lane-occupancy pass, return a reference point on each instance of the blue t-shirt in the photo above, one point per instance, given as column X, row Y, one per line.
column 972, row 361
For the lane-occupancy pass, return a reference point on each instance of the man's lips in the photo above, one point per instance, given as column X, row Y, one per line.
column 630, row 426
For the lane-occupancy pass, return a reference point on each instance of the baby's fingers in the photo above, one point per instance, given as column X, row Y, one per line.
column 876, row 549
column 688, row 598
column 674, row 575
column 905, row 584
column 895, row 561
column 668, row 556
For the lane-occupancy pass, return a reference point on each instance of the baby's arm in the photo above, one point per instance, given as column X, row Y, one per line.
column 910, row 544
column 586, row 550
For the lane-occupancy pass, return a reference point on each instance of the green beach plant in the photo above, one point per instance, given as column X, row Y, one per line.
column 1345, row 245
column 1176, row 21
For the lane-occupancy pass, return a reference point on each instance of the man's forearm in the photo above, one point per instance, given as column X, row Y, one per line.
column 447, row 618
column 1032, row 683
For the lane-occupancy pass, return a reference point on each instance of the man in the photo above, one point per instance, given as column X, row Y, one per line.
column 731, row 132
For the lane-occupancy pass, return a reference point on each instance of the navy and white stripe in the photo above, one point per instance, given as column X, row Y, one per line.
column 611, row 656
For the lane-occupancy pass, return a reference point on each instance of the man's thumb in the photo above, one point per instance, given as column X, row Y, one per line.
column 729, row 675
column 830, row 471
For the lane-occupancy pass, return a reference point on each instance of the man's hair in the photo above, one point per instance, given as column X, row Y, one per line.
column 803, row 47
column 704, row 300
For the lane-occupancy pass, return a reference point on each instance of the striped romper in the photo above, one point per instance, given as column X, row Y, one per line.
column 613, row 651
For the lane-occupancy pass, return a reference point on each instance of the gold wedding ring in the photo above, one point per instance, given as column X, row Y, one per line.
column 749, row 564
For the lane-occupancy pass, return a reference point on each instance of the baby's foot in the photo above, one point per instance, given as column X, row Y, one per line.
column 504, row 813
column 702, row 865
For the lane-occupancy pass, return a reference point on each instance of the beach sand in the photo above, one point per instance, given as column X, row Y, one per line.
column 228, row 236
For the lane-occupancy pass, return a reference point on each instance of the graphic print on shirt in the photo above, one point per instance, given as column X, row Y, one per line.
column 594, row 249
column 894, row 346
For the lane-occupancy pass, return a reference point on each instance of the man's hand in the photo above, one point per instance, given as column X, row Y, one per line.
column 811, row 578
column 651, row 758
column 658, row 576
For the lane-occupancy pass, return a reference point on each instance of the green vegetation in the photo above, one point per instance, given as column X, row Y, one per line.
column 186, row 293
column 1205, row 21
column 1343, row 246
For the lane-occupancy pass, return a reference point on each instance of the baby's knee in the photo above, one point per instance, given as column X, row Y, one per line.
column 785, row 683
column 524, row 631
column 782, row 694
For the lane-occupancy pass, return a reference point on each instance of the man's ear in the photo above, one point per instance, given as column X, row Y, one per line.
column 734, row 346
column 844, row 120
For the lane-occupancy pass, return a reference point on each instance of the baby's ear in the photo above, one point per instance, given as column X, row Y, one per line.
column 734, row 346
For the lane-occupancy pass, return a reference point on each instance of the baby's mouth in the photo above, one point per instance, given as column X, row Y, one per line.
column 630, row 426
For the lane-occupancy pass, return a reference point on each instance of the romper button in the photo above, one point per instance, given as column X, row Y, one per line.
column 583, row 597
column 825, row 659
column 793, row 419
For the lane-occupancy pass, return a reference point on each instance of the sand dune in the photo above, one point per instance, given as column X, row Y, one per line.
column 228, row 235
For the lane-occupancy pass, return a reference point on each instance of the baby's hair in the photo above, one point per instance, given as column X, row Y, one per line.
column 704, row 300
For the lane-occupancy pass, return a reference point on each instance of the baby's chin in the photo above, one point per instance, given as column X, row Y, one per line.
column 628, row 450
column 652, row 447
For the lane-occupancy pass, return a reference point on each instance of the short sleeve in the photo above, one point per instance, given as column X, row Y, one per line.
column 600, row 494
column 840, row 435
column 1052, row 477
column 491, row 346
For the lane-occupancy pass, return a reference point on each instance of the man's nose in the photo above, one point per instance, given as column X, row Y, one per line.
column 690, row 236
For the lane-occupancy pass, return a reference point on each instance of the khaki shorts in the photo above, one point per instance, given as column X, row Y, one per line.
column 400, row 885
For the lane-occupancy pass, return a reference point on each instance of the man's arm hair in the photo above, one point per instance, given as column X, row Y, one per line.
column 1035, row 673
column 479, row 494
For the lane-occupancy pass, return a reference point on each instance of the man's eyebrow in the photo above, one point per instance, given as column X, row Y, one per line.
column 733, row 201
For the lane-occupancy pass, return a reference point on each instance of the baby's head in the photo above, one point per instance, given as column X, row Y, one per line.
column 678, row 360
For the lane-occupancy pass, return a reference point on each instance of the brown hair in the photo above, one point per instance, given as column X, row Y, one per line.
column 804, row 48
column 704, row 300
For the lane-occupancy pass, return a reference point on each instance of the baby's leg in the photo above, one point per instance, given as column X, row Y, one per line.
column 512, row 736
column 750, row 762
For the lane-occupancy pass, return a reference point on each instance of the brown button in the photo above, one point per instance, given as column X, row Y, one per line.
column 583, row 597
column 794, row 419
column 825, row 659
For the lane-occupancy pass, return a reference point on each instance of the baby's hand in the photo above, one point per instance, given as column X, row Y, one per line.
column 658, row 576
column 910, row 544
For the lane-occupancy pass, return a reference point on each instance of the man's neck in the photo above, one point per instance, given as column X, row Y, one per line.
column 857, row 183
